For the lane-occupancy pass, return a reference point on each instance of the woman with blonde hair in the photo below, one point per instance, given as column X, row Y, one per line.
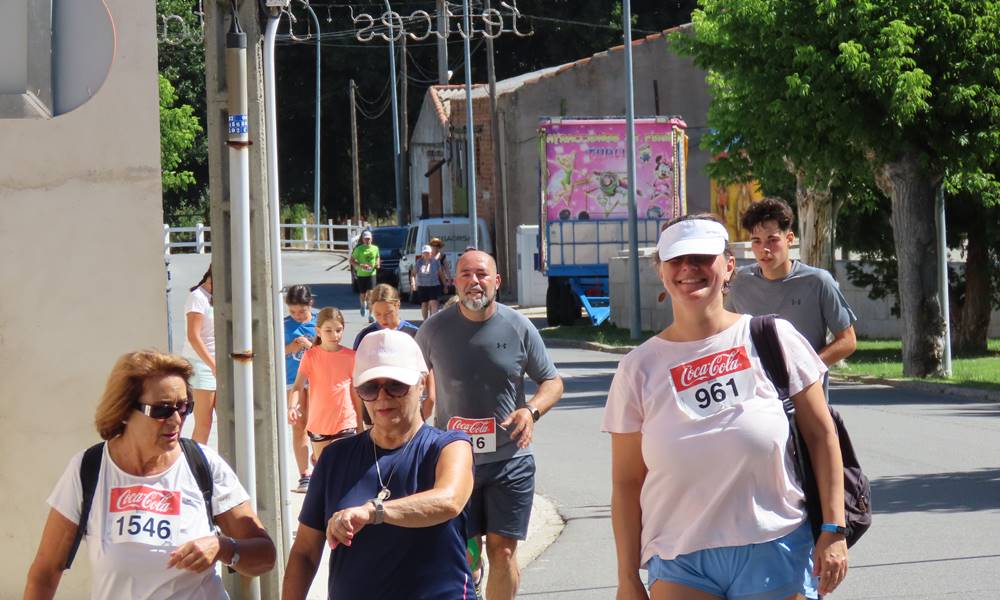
column 161, row 513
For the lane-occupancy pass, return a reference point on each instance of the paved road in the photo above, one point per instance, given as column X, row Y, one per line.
column 934, row 462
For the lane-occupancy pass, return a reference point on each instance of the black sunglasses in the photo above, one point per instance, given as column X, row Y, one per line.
column 165, row 411
column 368, row 391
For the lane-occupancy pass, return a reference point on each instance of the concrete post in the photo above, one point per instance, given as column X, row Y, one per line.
column 217, row 18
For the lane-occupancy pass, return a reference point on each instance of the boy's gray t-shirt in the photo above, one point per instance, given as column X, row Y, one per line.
column 479, row 369
column 807, row 297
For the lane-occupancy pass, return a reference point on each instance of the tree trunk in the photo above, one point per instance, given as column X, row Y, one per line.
column 816, row 214
column 911, row 188
column 974, row 319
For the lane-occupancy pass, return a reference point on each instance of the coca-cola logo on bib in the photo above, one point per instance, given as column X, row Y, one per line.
column 147, row 499
column 472, row 426
column 707, row 368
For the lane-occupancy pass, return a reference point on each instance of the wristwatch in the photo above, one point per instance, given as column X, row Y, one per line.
column 379, row 511
column 535, row 413
column 236, row 551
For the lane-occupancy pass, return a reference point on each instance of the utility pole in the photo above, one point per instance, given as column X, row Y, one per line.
column 354, row 156
column 395, row 115
column 499, row 195
column 217, row 18
column 444, row 25
column 405, row 137
column 470, row 132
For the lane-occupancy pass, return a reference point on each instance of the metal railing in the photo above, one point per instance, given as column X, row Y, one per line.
column 311, row 236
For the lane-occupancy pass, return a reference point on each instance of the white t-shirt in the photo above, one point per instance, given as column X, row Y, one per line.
column 199, row 301
column 714, row 439
column 135, row 522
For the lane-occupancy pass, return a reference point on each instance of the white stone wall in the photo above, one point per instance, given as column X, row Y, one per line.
column 874, row 317
column 82, row 273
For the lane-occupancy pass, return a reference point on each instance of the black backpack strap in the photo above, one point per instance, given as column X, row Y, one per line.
column 90, row 471
column 198, row 464
column 764, row 334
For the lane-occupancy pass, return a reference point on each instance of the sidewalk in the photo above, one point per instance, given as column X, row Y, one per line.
column 543, row 529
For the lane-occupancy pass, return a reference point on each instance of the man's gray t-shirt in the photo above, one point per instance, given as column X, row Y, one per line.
column 807, row 297
column 479, row 369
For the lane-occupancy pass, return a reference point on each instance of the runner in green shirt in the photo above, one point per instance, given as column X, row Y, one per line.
column 365, row 262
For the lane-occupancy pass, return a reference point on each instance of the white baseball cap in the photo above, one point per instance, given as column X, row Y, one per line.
column 692, row 236
column 391, row 354
column 427, row 249
column 366, row 234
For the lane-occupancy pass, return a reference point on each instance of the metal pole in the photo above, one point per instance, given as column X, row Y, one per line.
column 395, row 115
column 470, row 131
column 499, row 198
column 444, row 25
column 239, row 201
column 633, row 221
column 274, row 205
column 316, row 168
column 942, row 246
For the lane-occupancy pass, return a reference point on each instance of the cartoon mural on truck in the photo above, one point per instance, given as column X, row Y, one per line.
column 585, row 175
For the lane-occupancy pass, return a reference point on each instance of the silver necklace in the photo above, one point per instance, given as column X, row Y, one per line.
column 384, row 493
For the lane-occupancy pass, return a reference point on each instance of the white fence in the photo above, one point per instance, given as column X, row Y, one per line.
column 328, row 237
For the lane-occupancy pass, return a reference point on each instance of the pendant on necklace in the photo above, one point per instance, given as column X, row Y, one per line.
column 383, row 494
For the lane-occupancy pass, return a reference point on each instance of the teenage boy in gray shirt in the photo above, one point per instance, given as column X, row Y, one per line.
column 806, row 296
column 479, row 352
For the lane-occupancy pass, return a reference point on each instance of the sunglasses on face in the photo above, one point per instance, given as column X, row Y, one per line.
column 165, row 411
column 700, row 260
column 369, row 390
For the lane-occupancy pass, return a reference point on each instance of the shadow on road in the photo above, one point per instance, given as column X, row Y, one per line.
column 597, row 364
column 960, row 491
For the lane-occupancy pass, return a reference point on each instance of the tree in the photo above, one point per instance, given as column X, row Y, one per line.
column 896, row 91
column 179, row 130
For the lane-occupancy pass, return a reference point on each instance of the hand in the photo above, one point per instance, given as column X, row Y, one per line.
column 294, row 415
column 631, row 589
column 830, row 561
column 345, row 524
column 211, row 365
column 366, row 267
column 196, row 555
column 520, row 426
column 303, row 342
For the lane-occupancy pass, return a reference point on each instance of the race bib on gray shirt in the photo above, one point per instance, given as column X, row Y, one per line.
column 479, row 371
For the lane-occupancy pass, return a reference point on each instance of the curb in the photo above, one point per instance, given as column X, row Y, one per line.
column 585, row 345
column 947, row 389
column 543, row 529
column 923, row 386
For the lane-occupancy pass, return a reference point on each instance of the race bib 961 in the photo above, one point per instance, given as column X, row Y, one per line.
column 144, row 515
column 708, row 384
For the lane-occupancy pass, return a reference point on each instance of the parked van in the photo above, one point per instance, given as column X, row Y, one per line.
column 453, row 231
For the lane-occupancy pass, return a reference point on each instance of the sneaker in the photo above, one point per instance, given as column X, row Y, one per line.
column 303, row 485
column 478, row 582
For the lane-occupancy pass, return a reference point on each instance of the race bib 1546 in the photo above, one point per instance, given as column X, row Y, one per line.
column 708, row 384
column 144, row 515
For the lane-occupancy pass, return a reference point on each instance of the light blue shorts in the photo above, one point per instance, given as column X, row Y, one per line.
column 770, row 571
column 202, row 379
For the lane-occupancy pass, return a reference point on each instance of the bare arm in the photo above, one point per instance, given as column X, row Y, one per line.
column 549, row 392
column 843, row 345
column 194, row 322
column 628, row 473
column 820, row 435
column 520, row 423
column 303, row 562
column 444, row 501
column 244, row 534
column 47, row 568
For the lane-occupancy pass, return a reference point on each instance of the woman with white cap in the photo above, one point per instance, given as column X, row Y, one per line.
column 429, row 278
column 704, row 494
column 390, row 500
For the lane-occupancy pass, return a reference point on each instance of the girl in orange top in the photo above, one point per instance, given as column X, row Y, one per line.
column 334, row 408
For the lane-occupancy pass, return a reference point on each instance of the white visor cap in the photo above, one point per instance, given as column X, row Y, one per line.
column 390, row 354
column 692, row 236
column 426, row 250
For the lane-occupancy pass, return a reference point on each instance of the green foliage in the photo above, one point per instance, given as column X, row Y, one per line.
column 178, row 131
column 182, row 62
column 881, row 358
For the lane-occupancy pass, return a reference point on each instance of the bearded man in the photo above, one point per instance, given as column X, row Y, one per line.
column 480, row 351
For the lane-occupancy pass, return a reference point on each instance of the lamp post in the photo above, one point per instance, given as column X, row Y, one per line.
column 635, row 329
column 470, row 132
column 395, row 116
column 316, row 218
